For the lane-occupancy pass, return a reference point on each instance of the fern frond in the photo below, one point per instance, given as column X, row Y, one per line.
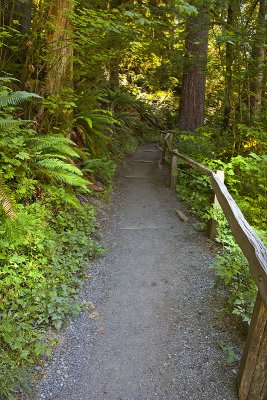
column 54, row 156
column 58, row 165
column 8, row 79
column 6, row 202
column 67, row 178
column 51, row 140
column 72, row 200
column 68, row 197
column 56, row 144
column 5, row 122
column 10, row 99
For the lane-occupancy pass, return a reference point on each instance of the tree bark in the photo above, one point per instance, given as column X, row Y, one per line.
column 114, row 73
column 192, row 101
column 258, row 64
column 59, row 66
column 232, row 21
column 25, row 15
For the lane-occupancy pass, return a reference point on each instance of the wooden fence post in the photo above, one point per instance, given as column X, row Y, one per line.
column 168, row 147
column 163, row 156
column 174, row 171
column 252, row 378
column 212, row 225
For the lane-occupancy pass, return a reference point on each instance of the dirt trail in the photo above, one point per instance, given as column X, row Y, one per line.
column 151, row 335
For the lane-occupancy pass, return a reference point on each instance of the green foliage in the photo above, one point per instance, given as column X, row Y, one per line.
column 57, row 111
column 14, row 98
column 43, row 255
column 29, row 160
column 231, row 356
column 106, row 135
column 199, row 146
column 246, row 179
column 39, row 276
column 233, row 272
column 94, row 129
column 103, row 169
column 195, row 189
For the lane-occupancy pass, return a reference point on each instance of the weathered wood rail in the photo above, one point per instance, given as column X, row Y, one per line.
column 252, row 376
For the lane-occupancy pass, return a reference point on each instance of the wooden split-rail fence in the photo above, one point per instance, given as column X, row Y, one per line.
column 252, row 375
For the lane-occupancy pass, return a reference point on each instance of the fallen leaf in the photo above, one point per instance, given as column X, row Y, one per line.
column 94, row 314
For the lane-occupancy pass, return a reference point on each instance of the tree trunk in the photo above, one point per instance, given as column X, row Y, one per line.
column 192, row 101
column 114, row 73
column 114, row 63
column 258, row 63
column 25, row 15
column 59, row 71
column 232, row 21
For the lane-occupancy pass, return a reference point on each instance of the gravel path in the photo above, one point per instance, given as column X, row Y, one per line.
column 152, row 333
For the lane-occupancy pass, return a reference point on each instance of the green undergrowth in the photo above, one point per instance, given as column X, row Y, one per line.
column 47, row 237
column 109, row 125
column 232, row 269
column 43, row 256
column 246, row 179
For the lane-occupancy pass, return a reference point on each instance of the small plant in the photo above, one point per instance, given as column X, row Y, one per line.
column 233, row 272
column 41, row 221
column 103, row 169
column 231, row 356
column 43, row 256
column 247, row 182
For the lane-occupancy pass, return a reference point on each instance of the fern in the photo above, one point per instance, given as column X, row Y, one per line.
column 94, row 129
column 66, row 178
column 12, row 99
column 8, row 79
column 46, row 158
column 58, row 165
column 57, row 144
column 52, row 160
column 6, row 122
column 115, row 99
column 7, row 201
column 50, row 155
column 68, row 197
column 61, row 171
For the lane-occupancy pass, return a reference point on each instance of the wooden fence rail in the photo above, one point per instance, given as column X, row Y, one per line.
column 252, row 376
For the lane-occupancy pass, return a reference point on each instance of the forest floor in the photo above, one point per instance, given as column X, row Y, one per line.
column 153, row 322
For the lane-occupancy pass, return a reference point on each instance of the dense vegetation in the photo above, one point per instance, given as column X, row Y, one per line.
column 81, row 85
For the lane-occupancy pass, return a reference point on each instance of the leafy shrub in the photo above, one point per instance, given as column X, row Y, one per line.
column 199, row 146
column 43, row 255
column 30, row 160
column 44, row 244
column 195, row 189
column 233, row 272
column 246, row 180
column 103, row 169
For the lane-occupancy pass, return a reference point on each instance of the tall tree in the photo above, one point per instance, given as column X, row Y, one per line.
column 231, row 52
column 192, row 101
column 258, row 62
column 59, row 71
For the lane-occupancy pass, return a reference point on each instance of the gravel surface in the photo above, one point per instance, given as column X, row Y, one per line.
column 149, row 331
